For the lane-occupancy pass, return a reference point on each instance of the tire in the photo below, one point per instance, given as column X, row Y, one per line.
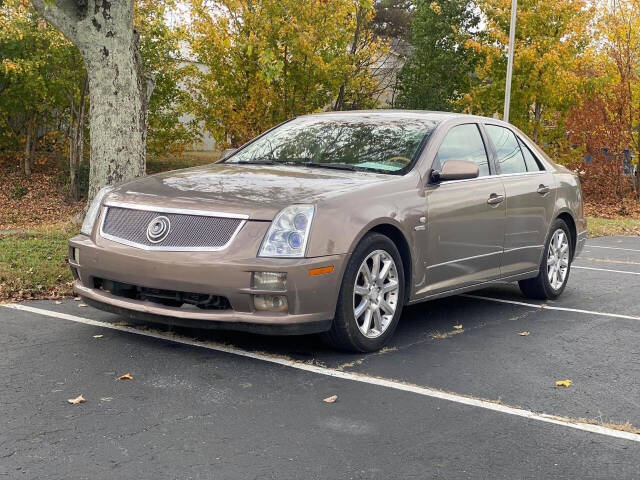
column 541, row 287
column 348, row 332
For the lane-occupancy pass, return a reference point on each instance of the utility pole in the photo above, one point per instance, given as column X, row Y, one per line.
column 512, row 39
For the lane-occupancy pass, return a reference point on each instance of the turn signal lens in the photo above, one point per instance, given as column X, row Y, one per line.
column 270, row 303
column 321, row 271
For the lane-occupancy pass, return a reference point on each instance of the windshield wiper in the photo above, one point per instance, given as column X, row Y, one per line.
column 254, row 162
column 335, row 166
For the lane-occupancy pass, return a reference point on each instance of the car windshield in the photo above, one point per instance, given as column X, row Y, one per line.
column 378, row 143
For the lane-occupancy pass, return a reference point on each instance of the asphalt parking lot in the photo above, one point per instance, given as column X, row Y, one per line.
column 440, row 402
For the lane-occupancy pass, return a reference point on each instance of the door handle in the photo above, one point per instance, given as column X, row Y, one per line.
column 543, row 189
column 495, row 199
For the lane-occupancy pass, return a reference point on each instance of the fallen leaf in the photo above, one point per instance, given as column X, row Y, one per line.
column 563, row 383
column 458, row 327
column 524, row 334
column 58, row 302
column 106, row 399
column 331, row 399
column 77, row 400
column 126, row 376
column 82, row 304
column 98, row 336
column 77, row 299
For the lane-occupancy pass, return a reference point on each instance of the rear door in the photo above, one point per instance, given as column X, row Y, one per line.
column 530, row 196
column 465, row 218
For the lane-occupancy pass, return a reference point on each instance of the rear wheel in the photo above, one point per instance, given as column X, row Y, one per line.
column 555, row 267
column 371, row 297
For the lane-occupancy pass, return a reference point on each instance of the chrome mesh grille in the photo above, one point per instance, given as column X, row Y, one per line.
column 187, row 231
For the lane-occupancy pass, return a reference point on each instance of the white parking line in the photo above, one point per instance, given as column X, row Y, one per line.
column 612, row 248
column 605, row 270
column 544, row 306
column 356, row 377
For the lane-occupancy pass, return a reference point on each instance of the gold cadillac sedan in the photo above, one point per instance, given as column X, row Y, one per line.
column 333, row 223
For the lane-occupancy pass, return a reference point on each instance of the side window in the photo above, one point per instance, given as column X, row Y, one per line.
column 464, row 142
column 532, row 163
column 508, row 150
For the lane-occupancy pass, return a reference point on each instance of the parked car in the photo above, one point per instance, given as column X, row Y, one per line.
column 333, row 223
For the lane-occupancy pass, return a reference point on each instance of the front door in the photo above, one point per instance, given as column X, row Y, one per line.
column 465, row 218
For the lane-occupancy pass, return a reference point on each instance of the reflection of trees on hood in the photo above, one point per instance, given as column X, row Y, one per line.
column 254, row 184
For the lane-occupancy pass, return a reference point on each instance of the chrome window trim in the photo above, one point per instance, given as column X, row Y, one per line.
column 538, row 172
column 134, row 206
column 450, row 182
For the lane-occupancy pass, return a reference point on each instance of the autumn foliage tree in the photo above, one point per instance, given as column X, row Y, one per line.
column 551, row 36
column 266, row 61
column 41, row 77
column 44, row 99
column 606, row 123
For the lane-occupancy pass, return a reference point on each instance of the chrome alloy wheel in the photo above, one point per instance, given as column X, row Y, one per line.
column 558, row 259
column 375, row 294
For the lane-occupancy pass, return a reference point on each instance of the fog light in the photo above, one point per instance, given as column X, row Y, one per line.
column 75, row 254
column 269, row 281
column 270, row 303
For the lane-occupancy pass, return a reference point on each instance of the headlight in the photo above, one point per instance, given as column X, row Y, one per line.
column 288, row 233
column 94, row 209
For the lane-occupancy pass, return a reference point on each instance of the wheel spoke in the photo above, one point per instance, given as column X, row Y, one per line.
column 375, row 268
column 384, row 271
column 389, row 287
column 360, row 290
column 366, row 324
column 361, row 308
column 384, row 305
column 366, row 273
column 377, row 319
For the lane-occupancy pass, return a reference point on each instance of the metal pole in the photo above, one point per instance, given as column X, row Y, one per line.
column 512, row 38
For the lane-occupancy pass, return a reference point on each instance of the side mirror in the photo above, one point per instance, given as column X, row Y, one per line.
column 455, row 170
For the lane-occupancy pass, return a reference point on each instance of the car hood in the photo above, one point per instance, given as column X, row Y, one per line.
column 259, row 191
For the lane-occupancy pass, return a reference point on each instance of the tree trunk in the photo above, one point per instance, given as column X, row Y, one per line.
column 76, row 139
column 360, row 14
column 537, row 118
column 29, row 147
column 118, row 90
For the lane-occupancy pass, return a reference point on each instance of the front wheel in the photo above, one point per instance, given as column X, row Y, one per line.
column 371, row 297
column 555, row 266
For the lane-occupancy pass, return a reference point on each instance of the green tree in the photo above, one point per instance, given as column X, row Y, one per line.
column 40, row 79
column 439, row 70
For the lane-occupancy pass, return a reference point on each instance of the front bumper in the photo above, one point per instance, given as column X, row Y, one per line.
column 311, row 299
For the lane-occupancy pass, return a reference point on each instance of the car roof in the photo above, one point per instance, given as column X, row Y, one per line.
column 393, row 113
